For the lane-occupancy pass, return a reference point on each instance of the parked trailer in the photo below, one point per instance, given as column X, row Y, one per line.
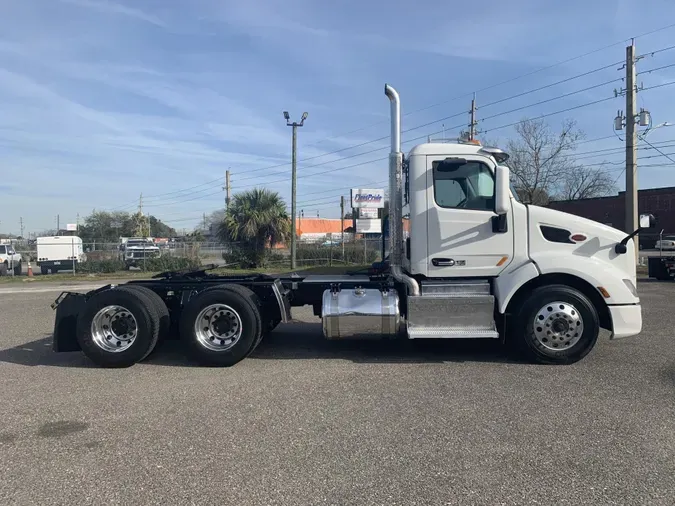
column 476, row 264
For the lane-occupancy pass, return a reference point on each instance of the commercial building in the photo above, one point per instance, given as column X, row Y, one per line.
column 611, row 210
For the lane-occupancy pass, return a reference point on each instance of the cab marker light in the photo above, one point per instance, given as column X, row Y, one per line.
column 604, row 292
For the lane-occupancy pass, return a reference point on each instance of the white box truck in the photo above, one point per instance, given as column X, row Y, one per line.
column 59, row 253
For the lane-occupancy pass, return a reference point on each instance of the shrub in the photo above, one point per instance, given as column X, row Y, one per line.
column 245, row 258
column 100, row 266
column 169, row 263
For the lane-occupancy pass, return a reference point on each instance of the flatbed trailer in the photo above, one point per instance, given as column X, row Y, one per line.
column 476, row 264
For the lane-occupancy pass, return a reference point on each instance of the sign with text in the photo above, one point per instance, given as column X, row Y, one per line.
column 367, row 197
column 71, row 227
column 368, row 212
column 368, row 226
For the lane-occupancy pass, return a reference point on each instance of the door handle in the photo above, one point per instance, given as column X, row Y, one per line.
column 442, row 262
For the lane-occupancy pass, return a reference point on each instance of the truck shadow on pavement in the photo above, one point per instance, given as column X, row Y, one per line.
column 294, row 341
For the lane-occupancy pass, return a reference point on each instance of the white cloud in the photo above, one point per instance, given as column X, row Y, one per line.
column 109, row 7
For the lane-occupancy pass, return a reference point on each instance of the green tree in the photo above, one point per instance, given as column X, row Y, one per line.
column 108, row 226
column 256, row 219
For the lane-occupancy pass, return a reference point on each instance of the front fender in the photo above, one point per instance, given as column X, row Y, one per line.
column 595, row 272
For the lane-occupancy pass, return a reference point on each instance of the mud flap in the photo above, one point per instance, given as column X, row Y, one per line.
column 68, row 305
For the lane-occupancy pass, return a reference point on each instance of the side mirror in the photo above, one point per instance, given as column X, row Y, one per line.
column 502, row 198
column 647, row 221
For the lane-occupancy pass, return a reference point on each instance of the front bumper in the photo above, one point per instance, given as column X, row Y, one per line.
column 626, row 320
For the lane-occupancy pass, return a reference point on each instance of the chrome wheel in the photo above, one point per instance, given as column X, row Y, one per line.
column 114, row 329
column 218, row 327
column 558, row 326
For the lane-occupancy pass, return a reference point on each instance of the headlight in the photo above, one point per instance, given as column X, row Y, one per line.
column 631, row 287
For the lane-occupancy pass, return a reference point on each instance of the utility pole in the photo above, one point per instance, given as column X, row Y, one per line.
column 472, row 114
column 21, row 227
column 77, row 221
column 227, row 189
column 204, row 218
column 295, row 126
column 342, row 224
column 631, row 145
column 58, row 225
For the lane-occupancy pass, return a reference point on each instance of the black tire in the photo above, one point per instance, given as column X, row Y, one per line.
column 148, row 324
column 3, row 269
column 522, row 325
column 160, row 308
column 44, row 270
column 246, row 306
column 17, row 269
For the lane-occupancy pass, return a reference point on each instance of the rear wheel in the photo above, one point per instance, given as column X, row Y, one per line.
column 556, row 324
column 17, row 269
column 44, row 270
column 221, row 325
column 160, row 308
column 118, row 327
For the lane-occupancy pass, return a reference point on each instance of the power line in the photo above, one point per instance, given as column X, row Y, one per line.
column 657, row 68
column 551, row 84
column 657, row 149
column 552, row 99
column 587, row 104
column 433, row 122
column 421, row 137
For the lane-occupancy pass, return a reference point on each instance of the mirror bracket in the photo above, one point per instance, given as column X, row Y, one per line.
column 646, row 221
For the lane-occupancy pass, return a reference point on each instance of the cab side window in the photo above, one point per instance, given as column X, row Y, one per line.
column 463, row 185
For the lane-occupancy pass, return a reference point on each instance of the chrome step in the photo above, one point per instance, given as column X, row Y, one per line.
column 451, row 333
column 463, row 287
column 451, row 316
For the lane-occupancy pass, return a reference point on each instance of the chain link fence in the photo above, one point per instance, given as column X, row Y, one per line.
column 100, row 257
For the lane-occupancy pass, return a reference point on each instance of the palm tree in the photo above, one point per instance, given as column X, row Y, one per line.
column 255, row 220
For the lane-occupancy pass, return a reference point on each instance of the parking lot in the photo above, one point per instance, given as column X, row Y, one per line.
column 309, row 421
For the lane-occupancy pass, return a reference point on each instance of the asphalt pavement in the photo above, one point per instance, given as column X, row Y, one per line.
column 310, row 421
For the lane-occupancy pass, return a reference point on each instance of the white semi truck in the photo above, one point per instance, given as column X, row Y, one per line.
column 476, row 264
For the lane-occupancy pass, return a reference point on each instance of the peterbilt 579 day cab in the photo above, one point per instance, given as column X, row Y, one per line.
column 476, row 264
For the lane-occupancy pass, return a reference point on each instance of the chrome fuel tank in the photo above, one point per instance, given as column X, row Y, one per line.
column 360, row 313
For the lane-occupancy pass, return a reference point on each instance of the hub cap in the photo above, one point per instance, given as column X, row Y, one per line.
column 558, row 326
column 114, row 329
column 218, row 327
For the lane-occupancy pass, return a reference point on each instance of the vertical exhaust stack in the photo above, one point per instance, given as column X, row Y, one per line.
column 396, row 196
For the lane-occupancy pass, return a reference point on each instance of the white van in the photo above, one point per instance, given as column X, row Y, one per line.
column 59, row 253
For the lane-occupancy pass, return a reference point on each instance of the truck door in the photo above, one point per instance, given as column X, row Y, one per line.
column 465, row 237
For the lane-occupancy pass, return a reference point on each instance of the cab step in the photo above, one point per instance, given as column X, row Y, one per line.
column 460, row 314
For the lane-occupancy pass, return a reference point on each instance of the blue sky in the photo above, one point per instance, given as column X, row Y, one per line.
column 102, row 100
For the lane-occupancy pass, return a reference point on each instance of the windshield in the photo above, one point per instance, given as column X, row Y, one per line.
column 139, row 243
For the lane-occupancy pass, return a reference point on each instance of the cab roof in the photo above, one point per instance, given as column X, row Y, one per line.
column 458, row 148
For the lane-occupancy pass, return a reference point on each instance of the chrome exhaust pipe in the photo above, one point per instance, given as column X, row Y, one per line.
column 396, row 195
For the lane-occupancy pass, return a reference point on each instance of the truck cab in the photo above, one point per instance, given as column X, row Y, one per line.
column 457, row 232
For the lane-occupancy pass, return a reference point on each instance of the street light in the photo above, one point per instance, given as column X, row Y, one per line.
column 295, row 126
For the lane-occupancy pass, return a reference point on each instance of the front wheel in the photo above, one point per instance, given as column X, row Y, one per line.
column 555, row 324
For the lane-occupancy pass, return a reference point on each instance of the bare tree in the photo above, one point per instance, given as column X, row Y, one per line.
column 540, row 158
column 586, row 182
